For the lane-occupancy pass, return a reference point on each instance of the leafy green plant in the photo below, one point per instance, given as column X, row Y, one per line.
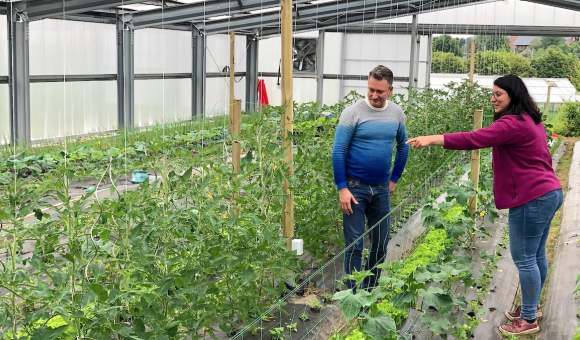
column 567, row 121
column 172, row 256
column 255, row 330
column 292, row 327
column 357, row 335
column 304, row 317
column 315, row 305
column 397, row 314
column 277, row 333
column 327, row 298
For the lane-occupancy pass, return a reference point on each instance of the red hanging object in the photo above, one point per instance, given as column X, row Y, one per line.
column 262, row 94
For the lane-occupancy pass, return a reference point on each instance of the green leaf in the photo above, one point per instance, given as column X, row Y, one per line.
column 98, row 269
column 247, row 275
column 45, row 333
column 36, row 262
column 380, row 327
column 351, row 303
column 100, row 291
column 436, row 326
column 4, row 215
column 172, row 327
column 403, row 300
column 187, row 175
column 61, row 197
column 461, row 193
column 37, row 213
column 435, row 296
column 456, row 229
column 422, row 275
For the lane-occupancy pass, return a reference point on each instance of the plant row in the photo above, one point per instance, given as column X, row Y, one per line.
column 196, row 250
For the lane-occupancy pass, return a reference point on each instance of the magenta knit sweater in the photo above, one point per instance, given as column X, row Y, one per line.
column 521, row 160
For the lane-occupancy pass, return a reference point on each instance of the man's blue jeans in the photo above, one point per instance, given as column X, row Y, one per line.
column 529, row 226
column 374, row 203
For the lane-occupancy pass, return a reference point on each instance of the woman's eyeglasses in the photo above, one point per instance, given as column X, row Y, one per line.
column 497, row 94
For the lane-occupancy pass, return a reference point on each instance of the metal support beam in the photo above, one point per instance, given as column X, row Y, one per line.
column 18, row 79
column 252, row 73
column 125, row 75
column 417, row 58
column 412, row 59
column 320, row 67
column 198, row 73
column 36, row 10
column 323, row 17
column 199, row 11
column 429, row 61
column 566, row 4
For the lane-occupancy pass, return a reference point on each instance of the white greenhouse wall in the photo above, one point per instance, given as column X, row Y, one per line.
column 4, row 114
column 498, row 13
column 217, row 57
column 218, row 93
column 346, row 54
column 62, row 109
column 162, row 51
column 3, row 46
column 70, row 47
column 158, row 101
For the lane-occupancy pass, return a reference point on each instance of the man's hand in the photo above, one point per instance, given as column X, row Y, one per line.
column 392, row 187
column 345, row 197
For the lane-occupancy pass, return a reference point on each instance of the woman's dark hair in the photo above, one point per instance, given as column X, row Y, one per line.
column 520, row 99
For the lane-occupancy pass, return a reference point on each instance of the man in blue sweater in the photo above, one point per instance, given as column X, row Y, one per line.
column 361, row 157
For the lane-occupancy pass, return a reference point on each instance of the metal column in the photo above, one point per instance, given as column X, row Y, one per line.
column 125, row 75
column 18, row 78
column 320, row 68
column 198, row 73
column 252, row 73
column 412, row 59
column 429, row 61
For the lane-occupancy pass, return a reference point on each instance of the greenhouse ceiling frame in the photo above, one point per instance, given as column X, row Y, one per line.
column 352, row 16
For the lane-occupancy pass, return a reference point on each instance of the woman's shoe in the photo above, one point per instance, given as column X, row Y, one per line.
column 512, row 315
column 520, row 327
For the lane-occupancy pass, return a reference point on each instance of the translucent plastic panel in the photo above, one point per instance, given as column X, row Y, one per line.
column 218, row 53
column 72, row 47
column 4, row 114
column 365, row 51
column 217, row 95
column 162, row 51
column 3, row 46
column 158, row 101
column 65, row 109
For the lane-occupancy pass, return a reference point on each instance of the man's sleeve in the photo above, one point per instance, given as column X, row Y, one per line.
column 402, row 153
column 344, row 133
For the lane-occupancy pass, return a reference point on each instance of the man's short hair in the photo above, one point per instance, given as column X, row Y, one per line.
column 382, row 72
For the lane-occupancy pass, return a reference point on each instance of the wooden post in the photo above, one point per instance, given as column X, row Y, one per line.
column 472, row 62
column 232, row 79
column 235, row 129
column 477, row 124
column 287, row 118
column 547, row 108
column 477, row 117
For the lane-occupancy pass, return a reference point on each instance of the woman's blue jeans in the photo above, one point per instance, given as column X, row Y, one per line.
column 374, row 203
column 529, row 225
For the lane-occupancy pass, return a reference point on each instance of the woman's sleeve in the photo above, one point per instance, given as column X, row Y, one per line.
column 500, row 132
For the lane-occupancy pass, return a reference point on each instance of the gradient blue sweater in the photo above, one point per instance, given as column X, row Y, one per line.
column 364, row 143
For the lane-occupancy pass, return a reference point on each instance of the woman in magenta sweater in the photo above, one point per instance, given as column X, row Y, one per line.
column 523, row 182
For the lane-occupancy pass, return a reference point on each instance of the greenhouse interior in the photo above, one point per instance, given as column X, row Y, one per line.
column 208, row 169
